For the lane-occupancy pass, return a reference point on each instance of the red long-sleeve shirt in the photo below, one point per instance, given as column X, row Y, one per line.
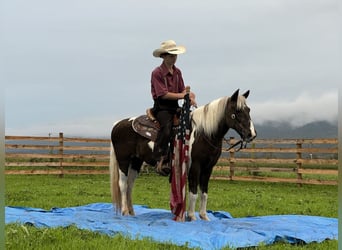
column 162, row 81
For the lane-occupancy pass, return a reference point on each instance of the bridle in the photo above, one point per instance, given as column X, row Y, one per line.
column 242, row 143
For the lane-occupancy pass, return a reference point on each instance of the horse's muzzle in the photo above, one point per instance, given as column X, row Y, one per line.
column 251, row 138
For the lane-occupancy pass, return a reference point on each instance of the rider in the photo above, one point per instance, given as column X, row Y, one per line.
column 167, row 87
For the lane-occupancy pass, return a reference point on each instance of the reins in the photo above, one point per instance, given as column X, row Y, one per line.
column 243, row 144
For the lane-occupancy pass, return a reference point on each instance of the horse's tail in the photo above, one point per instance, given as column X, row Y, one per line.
column 114, row 179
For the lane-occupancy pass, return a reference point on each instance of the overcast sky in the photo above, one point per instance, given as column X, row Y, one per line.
column 78, row 66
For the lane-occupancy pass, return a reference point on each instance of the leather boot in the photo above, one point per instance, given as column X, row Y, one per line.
column 163, row 167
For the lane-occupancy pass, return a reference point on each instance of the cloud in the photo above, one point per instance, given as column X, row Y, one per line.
column 303, row 109
column 76, row 67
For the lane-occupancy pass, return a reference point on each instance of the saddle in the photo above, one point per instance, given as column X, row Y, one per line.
column 148, row 126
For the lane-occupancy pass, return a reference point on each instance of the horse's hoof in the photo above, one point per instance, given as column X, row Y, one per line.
column 204, row 217
column 163, row 167
column 164, row 170
column 125, row 213
column 191, row 218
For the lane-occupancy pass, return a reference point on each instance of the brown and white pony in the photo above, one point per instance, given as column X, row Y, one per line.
column 209, row 125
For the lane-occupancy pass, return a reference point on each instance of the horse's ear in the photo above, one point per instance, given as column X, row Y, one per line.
column 235, row 96
column 246, row 94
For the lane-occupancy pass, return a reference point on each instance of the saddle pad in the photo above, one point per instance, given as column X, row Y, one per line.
column 145, row 127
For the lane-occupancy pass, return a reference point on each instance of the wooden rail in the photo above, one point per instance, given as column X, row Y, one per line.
column 302, row 161
column 56, row 155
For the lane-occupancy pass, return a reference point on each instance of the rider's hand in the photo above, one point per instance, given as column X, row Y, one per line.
column 193, row 99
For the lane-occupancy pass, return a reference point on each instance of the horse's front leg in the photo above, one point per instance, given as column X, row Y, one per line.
column 123, row 190
column 203, row 206
column 193, row 183
column 204, row 180
column 192, row 206
column 132, row 175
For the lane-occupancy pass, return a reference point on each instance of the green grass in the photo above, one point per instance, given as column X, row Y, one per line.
column 26, row 237
column 279, row 174
column 239, row 198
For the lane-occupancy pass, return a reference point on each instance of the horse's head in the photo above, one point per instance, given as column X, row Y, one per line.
column 238, row 116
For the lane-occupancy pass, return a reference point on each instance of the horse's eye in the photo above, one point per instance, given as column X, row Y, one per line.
column 233, row 116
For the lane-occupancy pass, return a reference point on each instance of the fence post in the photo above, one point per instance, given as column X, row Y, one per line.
column 61, row 152
column 231, row 159
column 299, row 162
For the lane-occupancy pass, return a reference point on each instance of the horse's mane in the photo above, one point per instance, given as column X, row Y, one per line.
column 207, row 118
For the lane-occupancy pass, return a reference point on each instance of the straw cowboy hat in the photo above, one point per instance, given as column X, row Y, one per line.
column 169, row 47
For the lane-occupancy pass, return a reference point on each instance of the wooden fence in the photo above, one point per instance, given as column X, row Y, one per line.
column 56, row 155
column 302, row 161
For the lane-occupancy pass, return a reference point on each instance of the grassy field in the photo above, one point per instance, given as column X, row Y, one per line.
column 239, row 198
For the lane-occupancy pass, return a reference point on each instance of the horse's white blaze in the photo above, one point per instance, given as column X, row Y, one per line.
column 192, row 205
column 251, row 126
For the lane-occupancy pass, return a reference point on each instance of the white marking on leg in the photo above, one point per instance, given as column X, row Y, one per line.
column 192, row 205
column 132, row 175
column 123, row 190
column 203, row 206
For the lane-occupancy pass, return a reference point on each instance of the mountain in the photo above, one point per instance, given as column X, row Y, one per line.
column 275, row 130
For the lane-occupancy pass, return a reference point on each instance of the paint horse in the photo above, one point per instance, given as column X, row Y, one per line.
column 209, row 125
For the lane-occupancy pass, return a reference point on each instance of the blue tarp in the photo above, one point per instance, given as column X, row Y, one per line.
column 157, row 224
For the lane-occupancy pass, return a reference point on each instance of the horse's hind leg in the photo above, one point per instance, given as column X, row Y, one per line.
column 133, row 171
column 132, row 175
column 123, row 189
